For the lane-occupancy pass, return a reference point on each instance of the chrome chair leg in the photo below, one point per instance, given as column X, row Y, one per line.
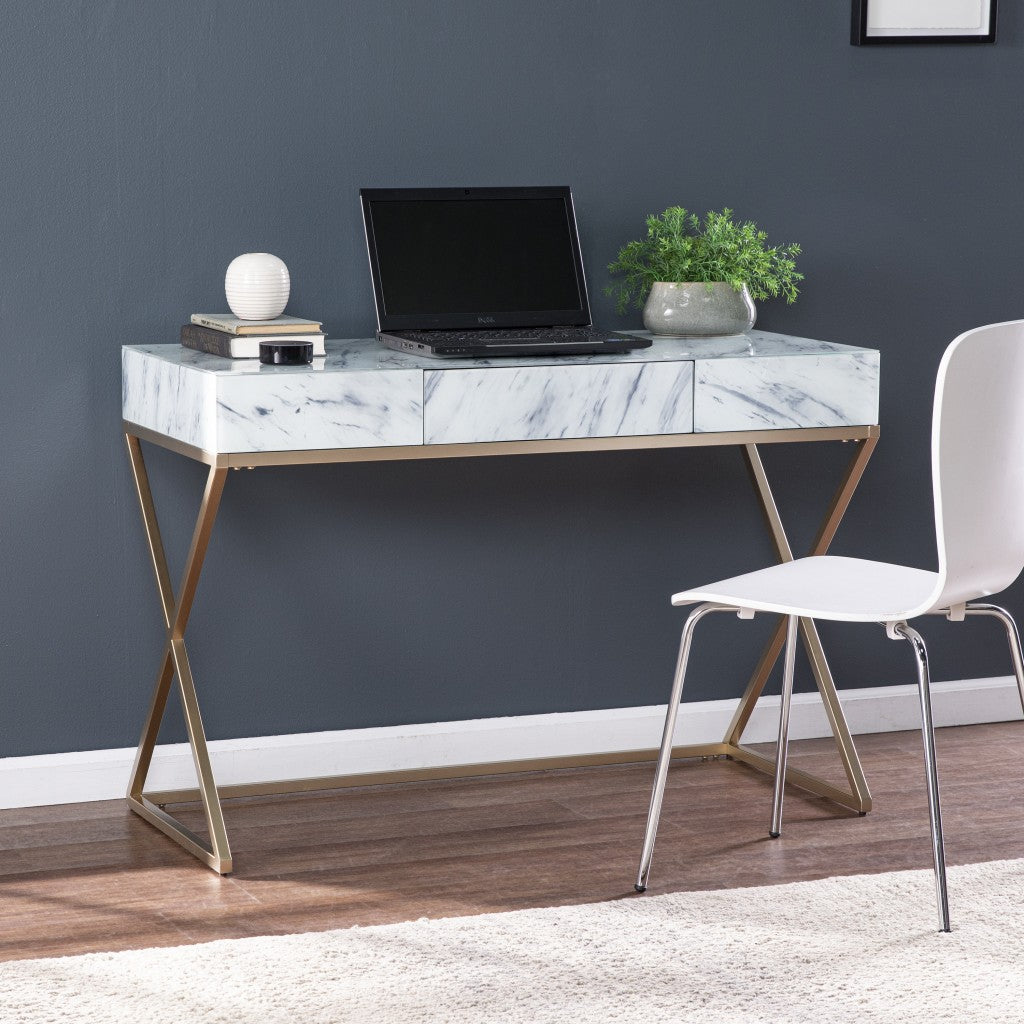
column 928, row 735
column 782, row 750
column 665, row 754
column 1012, row 636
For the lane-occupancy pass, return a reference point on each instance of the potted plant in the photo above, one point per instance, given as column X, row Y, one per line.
column 698, row 278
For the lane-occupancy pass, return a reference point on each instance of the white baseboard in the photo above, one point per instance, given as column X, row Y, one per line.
column 102, row 774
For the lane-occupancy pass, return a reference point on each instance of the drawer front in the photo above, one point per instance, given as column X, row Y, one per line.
column 299, row 412
column 533, row 403
column 780, row 392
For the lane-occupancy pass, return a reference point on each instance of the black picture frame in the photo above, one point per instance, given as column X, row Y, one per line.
column 859, row 30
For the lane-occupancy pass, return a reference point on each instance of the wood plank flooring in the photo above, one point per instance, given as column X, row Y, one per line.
column 87, row 877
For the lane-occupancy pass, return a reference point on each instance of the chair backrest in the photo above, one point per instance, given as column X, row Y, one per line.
column 978, row 462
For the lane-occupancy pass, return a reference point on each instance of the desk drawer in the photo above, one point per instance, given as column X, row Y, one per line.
column 533, row 403
column 237, row 408
column 290, row 412
column 779, row 392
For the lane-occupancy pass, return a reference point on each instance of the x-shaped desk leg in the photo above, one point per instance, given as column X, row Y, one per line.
column 174, row 664
column 859, row 797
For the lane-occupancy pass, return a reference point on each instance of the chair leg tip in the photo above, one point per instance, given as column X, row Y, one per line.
column 640, row 888
column 774, row 835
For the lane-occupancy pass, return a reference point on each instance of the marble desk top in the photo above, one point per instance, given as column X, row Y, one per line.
column 369, row 354
column 363, row 395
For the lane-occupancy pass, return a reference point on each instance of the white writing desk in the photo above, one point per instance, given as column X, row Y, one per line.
column 364, row 403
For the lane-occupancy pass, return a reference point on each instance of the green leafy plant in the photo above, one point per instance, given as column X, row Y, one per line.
column 681, row 247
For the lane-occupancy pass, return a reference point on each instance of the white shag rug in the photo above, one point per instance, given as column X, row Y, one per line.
column 857, row 949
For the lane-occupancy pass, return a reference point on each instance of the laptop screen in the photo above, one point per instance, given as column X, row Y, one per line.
column 450, row 258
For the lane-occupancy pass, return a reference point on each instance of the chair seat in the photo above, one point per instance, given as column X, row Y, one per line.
column 826, row 587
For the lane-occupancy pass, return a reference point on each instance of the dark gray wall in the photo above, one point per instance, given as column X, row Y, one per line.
column 146, row 144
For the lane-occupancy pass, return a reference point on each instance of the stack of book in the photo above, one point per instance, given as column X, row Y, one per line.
column 222, row 334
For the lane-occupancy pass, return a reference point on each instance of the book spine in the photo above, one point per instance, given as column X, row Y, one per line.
column 205, row 339
column 217, row 343
column 212, row 324
column 240, row 329
column 253, row 330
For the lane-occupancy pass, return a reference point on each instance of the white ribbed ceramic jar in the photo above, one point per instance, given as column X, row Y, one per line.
column 257, row 286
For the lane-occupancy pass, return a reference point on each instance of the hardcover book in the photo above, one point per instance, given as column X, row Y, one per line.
column 230, row 324
column 232, row 346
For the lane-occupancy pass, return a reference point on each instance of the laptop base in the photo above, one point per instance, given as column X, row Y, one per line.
column 561, row 341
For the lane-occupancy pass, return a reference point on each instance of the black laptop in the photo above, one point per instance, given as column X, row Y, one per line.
column 481, row 272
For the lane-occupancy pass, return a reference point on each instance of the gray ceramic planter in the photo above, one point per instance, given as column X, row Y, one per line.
column 687, row 309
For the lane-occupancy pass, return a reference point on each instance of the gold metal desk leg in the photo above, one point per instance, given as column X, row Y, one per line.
column 859, row 797
column 175, row 664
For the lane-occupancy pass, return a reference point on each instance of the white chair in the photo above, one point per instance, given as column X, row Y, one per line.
column 978, row 490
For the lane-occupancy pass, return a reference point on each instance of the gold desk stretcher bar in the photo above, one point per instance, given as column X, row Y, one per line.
column 177, row 605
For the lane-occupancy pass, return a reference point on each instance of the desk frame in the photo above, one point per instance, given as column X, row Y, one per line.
column 215, row 852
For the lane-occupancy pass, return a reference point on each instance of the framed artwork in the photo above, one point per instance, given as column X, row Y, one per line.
column 923, row 21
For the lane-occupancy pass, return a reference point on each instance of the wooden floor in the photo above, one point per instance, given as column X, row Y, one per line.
column 87, row 877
